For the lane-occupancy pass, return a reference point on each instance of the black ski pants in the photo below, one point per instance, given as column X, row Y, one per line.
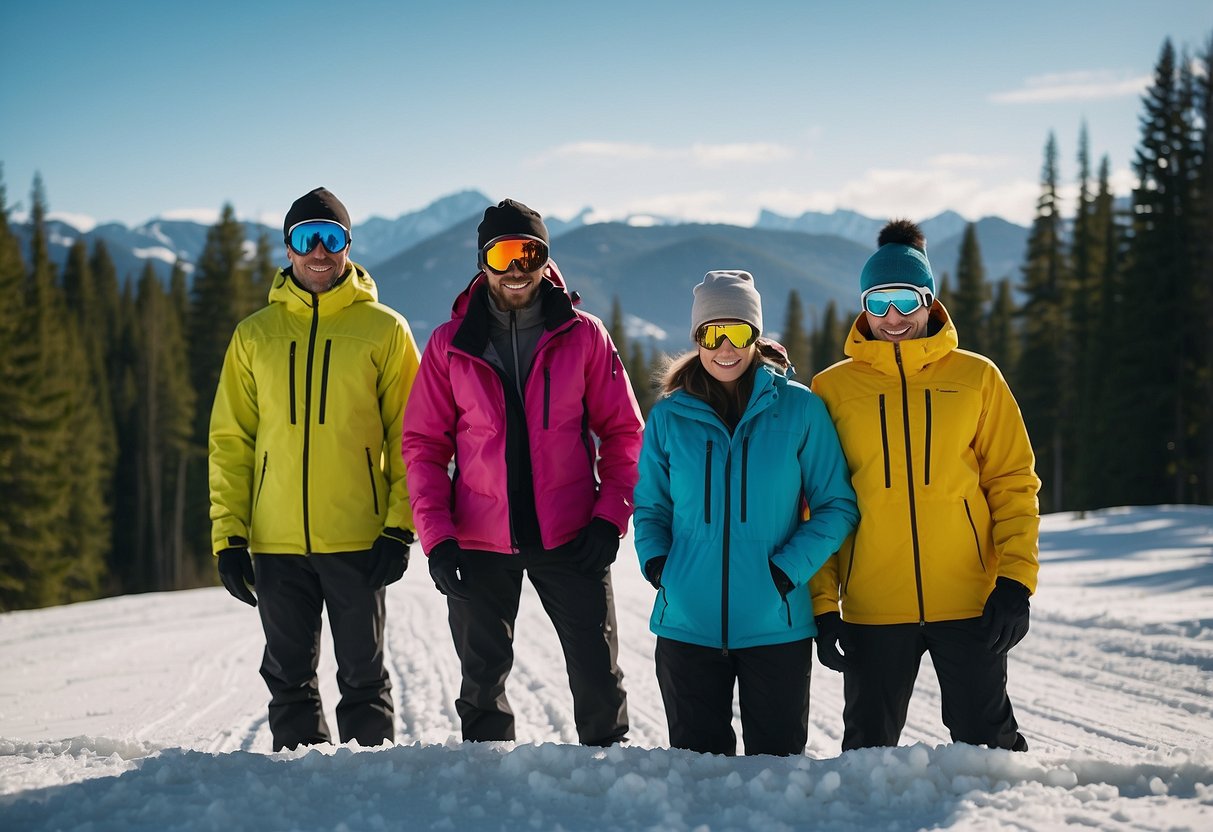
column 883, row 666
column 772, row 689
column 291, row 592
column 581, row 607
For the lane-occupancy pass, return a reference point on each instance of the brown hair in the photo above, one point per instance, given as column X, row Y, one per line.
column 686, row 372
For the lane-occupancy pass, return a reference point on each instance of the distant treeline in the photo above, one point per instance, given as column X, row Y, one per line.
column 106, row 385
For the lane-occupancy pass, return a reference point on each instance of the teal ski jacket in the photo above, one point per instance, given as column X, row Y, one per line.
column 721, row 507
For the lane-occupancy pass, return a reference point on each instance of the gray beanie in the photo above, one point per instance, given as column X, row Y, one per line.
column 726, row 295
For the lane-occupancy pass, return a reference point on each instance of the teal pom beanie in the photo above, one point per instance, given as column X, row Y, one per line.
column 897, row 263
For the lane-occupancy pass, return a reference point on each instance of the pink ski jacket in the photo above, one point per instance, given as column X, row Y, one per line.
column 576, row 387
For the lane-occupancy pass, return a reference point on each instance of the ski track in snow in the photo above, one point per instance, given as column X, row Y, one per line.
column 123, row 701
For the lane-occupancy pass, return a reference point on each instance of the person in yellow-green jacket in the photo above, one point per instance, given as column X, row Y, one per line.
column 306, row 473
column 944, row 558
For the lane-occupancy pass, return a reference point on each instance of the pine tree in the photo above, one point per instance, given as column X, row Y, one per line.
column 968, row 309
column 1085, row 252
column 1203, row 237
column 1001, row 339
column 1040, row 385
column 640, row 372
column 263, row 270
column 64, row 524
column 1111, row 480
column 221, row 296
column 24, row 433
column 615, row 327
column 164, row 421
column 828, row 349
column 794, row 338
column 1162, row 258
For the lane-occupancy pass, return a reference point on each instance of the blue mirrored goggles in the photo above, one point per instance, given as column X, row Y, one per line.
column 305, row 236
column 905, row 298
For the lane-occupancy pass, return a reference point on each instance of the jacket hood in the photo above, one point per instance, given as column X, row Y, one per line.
column 356, row 286
column 915, row 353
column 552, row 275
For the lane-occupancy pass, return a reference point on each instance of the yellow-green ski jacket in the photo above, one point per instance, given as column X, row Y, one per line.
column 305, row 431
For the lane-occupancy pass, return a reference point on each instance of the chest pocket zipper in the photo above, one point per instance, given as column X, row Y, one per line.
column 707, row 484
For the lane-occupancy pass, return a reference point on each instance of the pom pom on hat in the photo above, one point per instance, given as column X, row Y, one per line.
column 319, row 204
column 901, row 258
column 726, row 295
column 510, row 217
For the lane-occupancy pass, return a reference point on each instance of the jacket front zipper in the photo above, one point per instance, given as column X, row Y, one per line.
column 905, row 417
column 745, row 466
column 707, row 484
column 307, row 419
column 724, row 590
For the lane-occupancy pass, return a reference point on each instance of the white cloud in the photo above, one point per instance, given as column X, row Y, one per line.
column 741, row 153
column 203, row 216
column 81, row 222
column 968, row 161
column 700, row 154
column 1074, row 86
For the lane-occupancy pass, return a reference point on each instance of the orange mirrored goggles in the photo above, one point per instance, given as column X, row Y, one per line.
column 740, row 336
column 529, row 253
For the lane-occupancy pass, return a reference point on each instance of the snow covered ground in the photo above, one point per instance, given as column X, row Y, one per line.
column 147, row 712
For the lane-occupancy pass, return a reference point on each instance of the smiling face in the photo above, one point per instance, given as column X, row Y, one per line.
column 515, row 289
column 319, row 269
column 895, row 326
column 727, row 364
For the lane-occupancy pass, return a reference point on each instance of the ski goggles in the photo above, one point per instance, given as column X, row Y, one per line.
column 740, row 336
column 530, row 253
column 305, row 236
column 904, row 297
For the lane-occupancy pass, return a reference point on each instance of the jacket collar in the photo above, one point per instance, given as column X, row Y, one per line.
column 471, row 309
column 768, row 385
column 915, row 353
column 354, row 286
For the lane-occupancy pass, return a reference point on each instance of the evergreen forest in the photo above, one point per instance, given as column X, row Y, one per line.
column 1106, row 337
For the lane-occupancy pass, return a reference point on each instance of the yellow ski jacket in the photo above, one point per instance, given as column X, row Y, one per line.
column 945, row 475
column 305, row 430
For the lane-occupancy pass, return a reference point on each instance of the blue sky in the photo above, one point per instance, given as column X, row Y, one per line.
column 707, row 110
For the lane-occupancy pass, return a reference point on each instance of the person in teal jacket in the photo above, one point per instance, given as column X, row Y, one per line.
column 744, row 493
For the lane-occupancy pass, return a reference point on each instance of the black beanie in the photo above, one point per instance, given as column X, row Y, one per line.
column 510, row 217
column 319, row 204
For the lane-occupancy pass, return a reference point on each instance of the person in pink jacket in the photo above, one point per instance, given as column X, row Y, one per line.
column 528, row 396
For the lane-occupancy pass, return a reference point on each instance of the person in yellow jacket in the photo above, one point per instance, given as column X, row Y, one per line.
column 945, row 554
column 306, row 473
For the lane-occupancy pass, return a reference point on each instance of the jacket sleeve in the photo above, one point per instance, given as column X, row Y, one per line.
column 826, row 485
column 428, row 444
column 653, row 521
column 824, row 585
column 1008, row 478
column 615, row 419
column 396, row 380
column 231, row 445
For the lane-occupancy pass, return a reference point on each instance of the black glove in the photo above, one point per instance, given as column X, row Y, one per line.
column 653, row 569
column 444, row 569
column 830, row 636
column 236, row 572
column 597, row 545
column 1006, row 614
column 782, row 582
column 389, row 557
